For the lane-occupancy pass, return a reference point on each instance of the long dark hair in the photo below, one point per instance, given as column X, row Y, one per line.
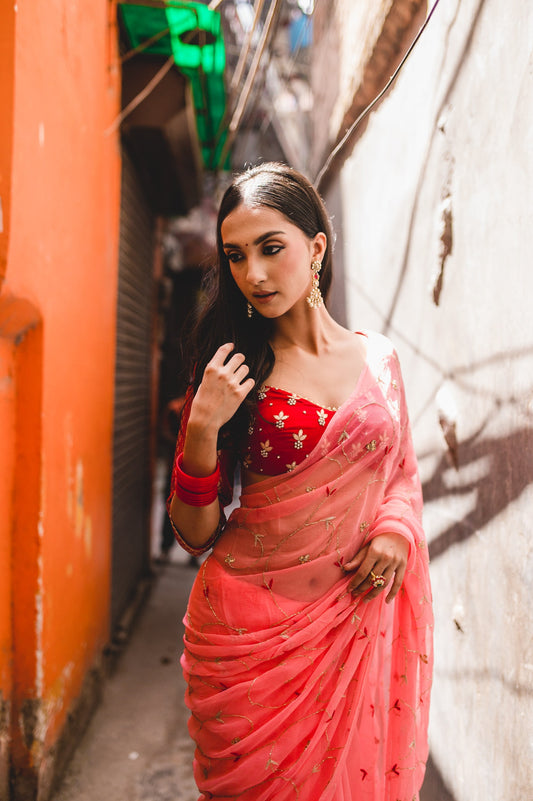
column 223, row 318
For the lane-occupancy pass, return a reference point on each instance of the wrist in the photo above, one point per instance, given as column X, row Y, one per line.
column 201, row 429
column 196, row 490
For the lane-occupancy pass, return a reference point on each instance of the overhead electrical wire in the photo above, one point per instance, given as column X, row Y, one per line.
column 138, row 99
column 250, row 78
column 144, row 45
column 153, row 82
column 320, row 176
column 241, row 63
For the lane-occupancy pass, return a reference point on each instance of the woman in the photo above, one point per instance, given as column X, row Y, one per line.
column 308, row 631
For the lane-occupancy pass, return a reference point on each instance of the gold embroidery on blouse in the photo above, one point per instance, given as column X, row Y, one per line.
column 280, row 419
column 290, row 467
column 229, row 559
column 303, row 559
column 371, row 446
column 322, row 417
column 298, row 439
column 266, row 447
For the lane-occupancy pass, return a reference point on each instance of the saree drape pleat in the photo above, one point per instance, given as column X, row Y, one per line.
column 297, row 689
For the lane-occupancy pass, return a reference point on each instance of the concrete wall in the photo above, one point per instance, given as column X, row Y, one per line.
column 60, row 193
column 437, row 240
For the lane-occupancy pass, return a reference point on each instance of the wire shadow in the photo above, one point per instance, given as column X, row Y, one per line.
column 510, row 472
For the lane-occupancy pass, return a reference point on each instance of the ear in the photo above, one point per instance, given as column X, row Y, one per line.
column 318, row 246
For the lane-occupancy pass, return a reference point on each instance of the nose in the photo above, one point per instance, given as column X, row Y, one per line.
column 255, row 270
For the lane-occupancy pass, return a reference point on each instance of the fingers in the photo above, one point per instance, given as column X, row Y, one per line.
column 397, row 583
column 222, row 353
column 379, row 564
column 233, row 362
column 362, row 580
column 358, row 559
column 224, row 386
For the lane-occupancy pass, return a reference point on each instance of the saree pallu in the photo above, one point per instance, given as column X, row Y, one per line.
column 297, row 689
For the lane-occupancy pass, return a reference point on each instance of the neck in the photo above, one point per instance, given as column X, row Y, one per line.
column 308, row 329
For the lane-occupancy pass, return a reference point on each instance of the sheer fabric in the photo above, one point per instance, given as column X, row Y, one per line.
column 298, row 690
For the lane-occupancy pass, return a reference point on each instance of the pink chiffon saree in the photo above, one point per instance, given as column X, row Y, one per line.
column 297, row 689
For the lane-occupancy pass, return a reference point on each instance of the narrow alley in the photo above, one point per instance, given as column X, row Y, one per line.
column 124, row 123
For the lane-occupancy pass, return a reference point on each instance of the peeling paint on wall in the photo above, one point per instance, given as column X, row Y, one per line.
column 69, row 448
column 39, row 659
column 88, row 536
column 78, row 494
column 445, row 244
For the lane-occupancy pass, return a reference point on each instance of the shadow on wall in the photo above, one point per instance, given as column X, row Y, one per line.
column 508, row 472
column 502, row 468
column 434, row 788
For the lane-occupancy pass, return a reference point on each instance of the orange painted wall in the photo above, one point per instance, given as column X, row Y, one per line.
column 62, row 259
column 7, row 67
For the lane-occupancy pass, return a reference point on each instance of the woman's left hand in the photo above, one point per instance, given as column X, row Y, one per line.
column 382, row 560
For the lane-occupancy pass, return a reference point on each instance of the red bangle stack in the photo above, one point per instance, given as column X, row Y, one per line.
column 196, row 490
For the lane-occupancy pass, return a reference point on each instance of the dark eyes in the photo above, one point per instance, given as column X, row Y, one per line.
column 233, row 257
column 268, row 250
column 271, row 250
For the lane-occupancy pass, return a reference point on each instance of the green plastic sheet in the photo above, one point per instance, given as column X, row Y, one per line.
column 192, row 33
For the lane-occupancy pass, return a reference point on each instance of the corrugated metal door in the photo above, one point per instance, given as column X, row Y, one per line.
column 131, row 444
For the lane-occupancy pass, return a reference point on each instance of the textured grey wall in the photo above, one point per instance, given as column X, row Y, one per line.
column 437, row 218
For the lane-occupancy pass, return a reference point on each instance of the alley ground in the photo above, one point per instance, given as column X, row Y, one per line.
column 137, row 747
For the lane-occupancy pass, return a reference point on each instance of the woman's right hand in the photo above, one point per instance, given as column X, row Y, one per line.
column 223, row 388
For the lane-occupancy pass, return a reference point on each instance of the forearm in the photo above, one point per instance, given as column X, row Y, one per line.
column 197, row 524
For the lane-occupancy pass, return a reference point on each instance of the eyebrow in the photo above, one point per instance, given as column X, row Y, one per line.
column 256, row 241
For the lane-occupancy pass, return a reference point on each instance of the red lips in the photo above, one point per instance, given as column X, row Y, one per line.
column 263, row 296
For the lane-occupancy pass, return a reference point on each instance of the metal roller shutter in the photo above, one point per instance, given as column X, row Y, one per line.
column 131, row 444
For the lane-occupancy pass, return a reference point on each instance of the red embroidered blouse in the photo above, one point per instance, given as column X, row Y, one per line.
column 284, row 431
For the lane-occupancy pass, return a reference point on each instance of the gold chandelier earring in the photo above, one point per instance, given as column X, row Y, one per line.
column 315, row 298
column 249, row 310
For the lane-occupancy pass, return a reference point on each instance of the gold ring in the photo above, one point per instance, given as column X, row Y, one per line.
column 376, row 581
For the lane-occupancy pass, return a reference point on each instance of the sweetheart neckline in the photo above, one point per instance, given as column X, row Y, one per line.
column 266, row 387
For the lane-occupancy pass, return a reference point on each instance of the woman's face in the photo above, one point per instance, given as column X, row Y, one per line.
column 270, row 258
